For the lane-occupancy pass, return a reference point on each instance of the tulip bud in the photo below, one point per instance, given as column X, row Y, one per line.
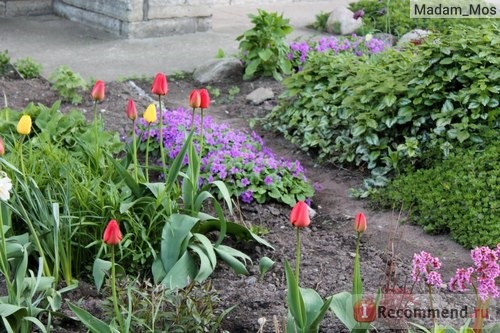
column 365, row 311
column 360, row 223
column 160, row 86
column 131, row 110
column 98, row 91
column 195, row 99
column 112, row 234
column 24, row 125
column 2, row 147
column 299, row 216
column 150, row 114
column 204, row 98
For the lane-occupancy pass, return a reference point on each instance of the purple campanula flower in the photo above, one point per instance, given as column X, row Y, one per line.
column 247, row 196
column 245, row 182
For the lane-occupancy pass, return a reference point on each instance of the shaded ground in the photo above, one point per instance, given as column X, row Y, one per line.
column 328, row 245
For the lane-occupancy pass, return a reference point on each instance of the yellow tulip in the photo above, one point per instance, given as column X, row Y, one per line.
column 24, row 125
column 150, row 114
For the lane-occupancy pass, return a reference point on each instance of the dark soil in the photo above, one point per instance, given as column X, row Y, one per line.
column 328, row 246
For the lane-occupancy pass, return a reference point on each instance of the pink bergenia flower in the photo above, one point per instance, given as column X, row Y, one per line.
column 434, row 279
column 461, row 279
column 487, row 271
column 425, row 266
column 483, row 276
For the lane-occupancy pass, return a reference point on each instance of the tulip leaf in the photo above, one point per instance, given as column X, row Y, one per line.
column 265, row 264
column 176, row 165
column 230, row 255
column 312, row 304
column 125, row 175
column 234, row 229
column 94, row 324
column 294, row 298
column 207, row 248
column 183, row 271
column 176, row 229
column 225, row 194
column 321, row 314
column 206, row 267
column 342, row 306
column 99, row 271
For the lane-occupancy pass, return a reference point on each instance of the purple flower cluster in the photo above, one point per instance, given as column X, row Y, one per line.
column 357, row 45
column 239, row 159
column 426, row 266
column 485, row 272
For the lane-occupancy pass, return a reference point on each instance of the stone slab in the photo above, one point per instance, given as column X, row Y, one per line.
column 126, row 10
column 95, row 20
column 158, row 10
column 27, row 8
column 165, row 27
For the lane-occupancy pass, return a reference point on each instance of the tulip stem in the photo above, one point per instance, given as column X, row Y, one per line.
column 192, row 118
column 21, row 157
column 297, row 254
column 357, row 283
column 162, row 150
column 201, row 135
column 147, row 153
column 96, row 136
column 113, row 289
column 134, row 147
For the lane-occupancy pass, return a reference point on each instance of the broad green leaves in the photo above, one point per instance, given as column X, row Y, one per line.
column 263, row 48
column 391, row 110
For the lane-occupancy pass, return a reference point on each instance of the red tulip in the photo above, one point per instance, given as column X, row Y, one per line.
column 2, row 147
column 360, row 223
column 365, row 311
column 98, row 91
column 299, row 217
column 160, row 86
column 131, row 110
column 112, row 234
column 195, row 99
column 204, row 98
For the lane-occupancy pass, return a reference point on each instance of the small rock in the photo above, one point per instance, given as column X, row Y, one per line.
column 251, row 280
column 352, row 254
column 218, row 69
column 388, row 39
column 414, row 36
column 259, row 95
column 267, row 106
column 341, row 21
column 312, row 212
column 274, row 211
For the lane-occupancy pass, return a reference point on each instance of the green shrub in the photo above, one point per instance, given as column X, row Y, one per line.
column 28, row 68
column 394, row 17
column 395, row 108
column 60, row 168
column 459, row 195
column 4, row 61
column 320, row 21
column 68, row 84
column 158, row 308
column 263, row 48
